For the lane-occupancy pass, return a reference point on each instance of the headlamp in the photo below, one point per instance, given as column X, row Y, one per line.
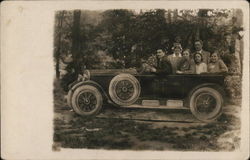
column 86, row 75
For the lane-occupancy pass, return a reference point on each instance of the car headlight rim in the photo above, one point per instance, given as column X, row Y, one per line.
column 86, row 75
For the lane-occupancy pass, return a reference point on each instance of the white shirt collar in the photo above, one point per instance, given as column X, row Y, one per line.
column 174, row 55
column 200, row 51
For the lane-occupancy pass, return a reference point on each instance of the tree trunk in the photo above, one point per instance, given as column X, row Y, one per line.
column 189, row 41
column 241, row 53
column 175, row 15
column 169, row 16
column 200, row 23
column 76, row 44
column 58, row 51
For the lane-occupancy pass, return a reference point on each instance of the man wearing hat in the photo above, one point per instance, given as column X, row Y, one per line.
column 70, row 74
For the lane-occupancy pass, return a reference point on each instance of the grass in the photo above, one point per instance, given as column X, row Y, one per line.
column 116, row 134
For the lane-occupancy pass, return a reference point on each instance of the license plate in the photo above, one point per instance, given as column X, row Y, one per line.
column 174, row 103
column 150, row 102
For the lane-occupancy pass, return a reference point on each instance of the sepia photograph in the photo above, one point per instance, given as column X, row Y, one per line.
column 125, row 80
column 148, row 79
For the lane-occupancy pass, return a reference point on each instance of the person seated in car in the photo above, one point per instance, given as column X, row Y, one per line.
column 156, row 63
column 199, row 66
column 186, row 63
column 216, row 65
column 163, row 66
column 198, row 44
column 146, row 67
column 149, row 65
column 176, row 57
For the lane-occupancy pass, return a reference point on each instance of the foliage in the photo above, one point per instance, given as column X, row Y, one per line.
column 126, row 35
column 118, row 24
column 121, row 38
column 233, row 86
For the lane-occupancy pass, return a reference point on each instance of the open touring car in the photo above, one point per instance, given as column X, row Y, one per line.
column 203, row 94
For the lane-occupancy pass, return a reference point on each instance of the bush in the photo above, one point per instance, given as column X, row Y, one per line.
column 233, row 86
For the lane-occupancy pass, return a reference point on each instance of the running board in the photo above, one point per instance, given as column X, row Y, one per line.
column 154, row 107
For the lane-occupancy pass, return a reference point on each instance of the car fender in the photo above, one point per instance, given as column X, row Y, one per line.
column 92, row 83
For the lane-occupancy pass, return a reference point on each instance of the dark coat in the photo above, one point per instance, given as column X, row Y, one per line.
column 163, row 66
column 187, row 66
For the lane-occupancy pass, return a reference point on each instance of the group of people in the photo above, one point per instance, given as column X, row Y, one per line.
column 185, row 62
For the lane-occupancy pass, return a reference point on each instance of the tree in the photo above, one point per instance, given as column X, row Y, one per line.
column 60, row 18
column 76, row 40
column 125, row 37
column 118, row 25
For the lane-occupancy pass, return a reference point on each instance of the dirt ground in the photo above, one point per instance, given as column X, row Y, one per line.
column 144, row 129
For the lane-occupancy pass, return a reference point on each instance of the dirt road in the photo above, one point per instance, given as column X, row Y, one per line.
column 144, row 129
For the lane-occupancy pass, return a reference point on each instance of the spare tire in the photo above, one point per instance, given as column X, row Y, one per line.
column 124, row 89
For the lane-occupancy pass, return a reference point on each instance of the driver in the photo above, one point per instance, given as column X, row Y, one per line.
column 163, row 64
column 158, row 63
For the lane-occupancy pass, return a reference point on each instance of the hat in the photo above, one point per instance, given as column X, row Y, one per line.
column 68, row 59
column 176, row 45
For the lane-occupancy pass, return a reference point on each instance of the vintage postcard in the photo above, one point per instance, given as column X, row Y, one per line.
column 125, row 80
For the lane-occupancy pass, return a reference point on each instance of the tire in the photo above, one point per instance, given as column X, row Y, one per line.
column 206, row 104
column 70, row 92
column 86, row 100
column 69, row 96
column 124, row 89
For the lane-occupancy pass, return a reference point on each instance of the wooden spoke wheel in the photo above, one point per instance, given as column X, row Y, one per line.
column 87, row 100
column 206, row 104
column 124, row 89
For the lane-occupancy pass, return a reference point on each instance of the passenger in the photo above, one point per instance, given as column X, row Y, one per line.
column 200, row 66
column 198, row 44
column 176, row 57
column 152, row 62
column 149, row 65
column 163, row 64
column 216, row 65
column 186, row 63
column 147, row 68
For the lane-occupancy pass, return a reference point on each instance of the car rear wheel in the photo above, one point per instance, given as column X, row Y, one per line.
column 124, row 89
column 86, row 100
column 206, row 104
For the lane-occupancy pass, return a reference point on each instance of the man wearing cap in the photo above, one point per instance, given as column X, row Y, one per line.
column 198, row 44
column 70, row 75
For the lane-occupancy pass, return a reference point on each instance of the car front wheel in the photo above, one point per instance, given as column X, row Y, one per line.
column 87, row 100
column 206, row 104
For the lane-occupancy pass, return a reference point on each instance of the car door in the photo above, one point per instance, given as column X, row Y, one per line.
column 160, row 86
column 171, row 86
column 150, row 86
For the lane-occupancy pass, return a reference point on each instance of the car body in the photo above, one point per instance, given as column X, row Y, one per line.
column 203, row 94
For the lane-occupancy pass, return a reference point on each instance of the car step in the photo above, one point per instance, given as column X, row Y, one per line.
column 154, row 107
column 155, row 104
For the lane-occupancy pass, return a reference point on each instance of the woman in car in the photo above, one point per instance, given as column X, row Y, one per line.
column 176, row 57
column 146, row 67
column 200, row 66
column 216, row 65
column 186, row 63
